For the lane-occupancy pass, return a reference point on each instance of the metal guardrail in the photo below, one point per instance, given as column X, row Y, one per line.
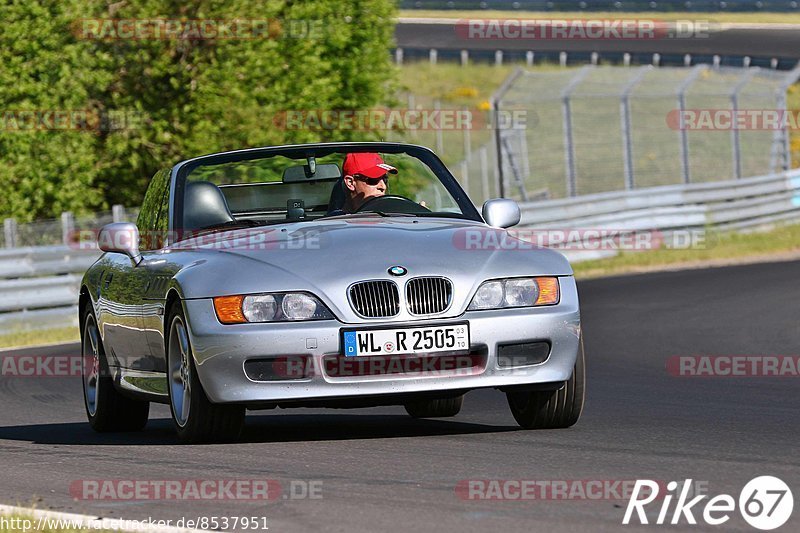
column 745, row 204
column 717, row 203
column 39, row 286
column 41, row 265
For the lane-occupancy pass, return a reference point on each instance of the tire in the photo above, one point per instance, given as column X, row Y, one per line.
column 552, row 409
column 439, row 408
column 196, row 419
column 106, row 408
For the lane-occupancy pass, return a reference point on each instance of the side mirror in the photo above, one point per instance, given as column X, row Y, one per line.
column 501, row 213
column 121, row 237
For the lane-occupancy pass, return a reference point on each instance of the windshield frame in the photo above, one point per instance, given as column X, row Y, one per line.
column 181, row 171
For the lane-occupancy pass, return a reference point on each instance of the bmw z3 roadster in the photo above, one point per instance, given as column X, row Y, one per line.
column 323, row 275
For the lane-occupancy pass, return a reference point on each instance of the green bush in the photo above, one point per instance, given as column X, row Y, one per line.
column 186, row 97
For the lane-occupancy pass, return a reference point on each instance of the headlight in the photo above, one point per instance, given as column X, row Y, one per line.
column 276, row 307
column 515, row 292
column 489, row 296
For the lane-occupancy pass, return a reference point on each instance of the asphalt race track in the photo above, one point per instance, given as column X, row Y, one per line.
column 741, row 40
column 381, row 470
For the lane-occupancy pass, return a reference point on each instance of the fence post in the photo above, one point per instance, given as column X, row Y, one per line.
column 484, row 173
column 512, row 162
column 464, row 58
column 412, row 106
column 625, row 118
column 682, row 88
column 398, row 55
column 790, row 79
column 439, row 138
column 569, row 146
column 495, row 103
column 433, row 55
column 465, row 176
column 523, row 154
column 118, row 213
column 10, row 232
column 67, row 226
column 737, row 147
column 467, row 134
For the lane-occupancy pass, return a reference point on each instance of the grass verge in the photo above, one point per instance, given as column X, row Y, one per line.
column 38, row 338
column 782, row 242
column 750, row 18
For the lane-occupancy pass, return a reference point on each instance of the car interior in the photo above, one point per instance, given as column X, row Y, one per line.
column 301, row 194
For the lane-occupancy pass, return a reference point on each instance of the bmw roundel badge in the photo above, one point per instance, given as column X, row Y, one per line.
column 397, row 270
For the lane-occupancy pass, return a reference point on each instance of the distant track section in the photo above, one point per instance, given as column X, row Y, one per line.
column 732, row 42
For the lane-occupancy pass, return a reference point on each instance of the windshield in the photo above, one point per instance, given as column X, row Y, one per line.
column 307, row 186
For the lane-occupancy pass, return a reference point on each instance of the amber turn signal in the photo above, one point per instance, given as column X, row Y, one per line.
column 548, row 291
column 229, row 309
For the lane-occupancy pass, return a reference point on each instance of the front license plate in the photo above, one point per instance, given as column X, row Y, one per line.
column 419, row 340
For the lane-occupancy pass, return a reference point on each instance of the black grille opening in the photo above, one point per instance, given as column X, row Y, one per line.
column 375, row 299
column 279, row 368
column 427, row 296
column 523, row 354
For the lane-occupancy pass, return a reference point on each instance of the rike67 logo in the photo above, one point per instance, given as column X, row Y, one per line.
column 765, row 503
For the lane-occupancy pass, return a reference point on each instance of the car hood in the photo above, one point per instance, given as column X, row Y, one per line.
column 327, row 256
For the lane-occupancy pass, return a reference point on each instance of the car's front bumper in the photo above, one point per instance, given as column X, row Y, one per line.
column 221, row 350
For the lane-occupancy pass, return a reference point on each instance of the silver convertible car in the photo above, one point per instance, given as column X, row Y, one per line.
column 257, row 278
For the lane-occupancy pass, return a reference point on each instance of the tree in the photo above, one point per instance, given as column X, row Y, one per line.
column 187, row 96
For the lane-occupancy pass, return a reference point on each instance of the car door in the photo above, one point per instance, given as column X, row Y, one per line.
column 123, row 287
column 119, row 307
column 159, row 270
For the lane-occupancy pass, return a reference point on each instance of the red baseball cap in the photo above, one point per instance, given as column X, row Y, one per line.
column 366, row 164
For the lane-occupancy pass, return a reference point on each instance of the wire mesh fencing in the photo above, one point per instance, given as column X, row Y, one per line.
column 62, row 230
column 600, row 129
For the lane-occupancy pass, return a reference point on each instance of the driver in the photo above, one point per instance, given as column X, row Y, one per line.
column 365, row 177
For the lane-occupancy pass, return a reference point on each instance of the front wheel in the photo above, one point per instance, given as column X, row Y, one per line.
column 552, row 409
column 106, row 408
column 196, row 419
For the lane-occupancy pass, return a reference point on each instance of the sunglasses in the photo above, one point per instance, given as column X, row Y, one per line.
column 372, row 182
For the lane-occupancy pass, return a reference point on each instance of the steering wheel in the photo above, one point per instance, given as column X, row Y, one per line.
column 392, row 203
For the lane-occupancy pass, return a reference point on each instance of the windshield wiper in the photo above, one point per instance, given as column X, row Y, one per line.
column 371, row 214
column 231, row 224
